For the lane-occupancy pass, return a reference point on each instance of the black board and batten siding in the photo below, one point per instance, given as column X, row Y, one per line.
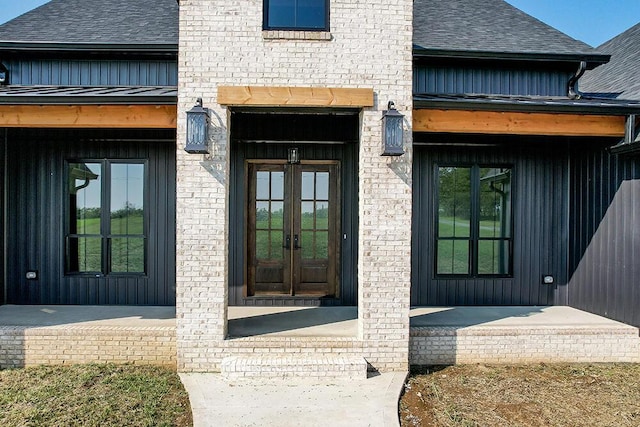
column 76, row 72
column 269, row 136
column 473, row 79
column 604, row 256
column 35, row 190
column 539, row 198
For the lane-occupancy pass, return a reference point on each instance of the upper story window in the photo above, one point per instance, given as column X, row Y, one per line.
column 310, row 15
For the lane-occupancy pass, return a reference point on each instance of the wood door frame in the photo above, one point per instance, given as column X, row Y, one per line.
column 334, row 240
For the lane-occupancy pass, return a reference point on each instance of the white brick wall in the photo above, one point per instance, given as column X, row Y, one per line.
column 448, row 345
column 222, row 43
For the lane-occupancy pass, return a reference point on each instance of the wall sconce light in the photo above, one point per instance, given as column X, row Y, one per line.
column 293, row 156
column 197, row 126
column 4, row 74
column 392, row 131
column 548, row 279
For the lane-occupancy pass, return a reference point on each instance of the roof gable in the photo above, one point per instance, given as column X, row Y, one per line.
column 619, row 78
column 113, row 22
column 490, row 26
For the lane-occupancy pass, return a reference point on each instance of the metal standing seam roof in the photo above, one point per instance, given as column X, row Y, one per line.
column 493, row 28
column 65, row 95
column 527, row 104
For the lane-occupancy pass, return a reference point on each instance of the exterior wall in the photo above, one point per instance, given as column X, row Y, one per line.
column 525, row 80
column 68, row 72
column 540, row 209
column 605, row 232
column 35, row 218
column 222, row 43
column 62, row 345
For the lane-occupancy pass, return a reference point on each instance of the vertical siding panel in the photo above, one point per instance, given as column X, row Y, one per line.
column 604, row 267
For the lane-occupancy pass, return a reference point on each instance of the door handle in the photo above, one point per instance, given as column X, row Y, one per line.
column 295, row 242
column 287, row 242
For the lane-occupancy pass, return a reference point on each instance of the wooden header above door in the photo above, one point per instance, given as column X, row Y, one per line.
column 273, row 96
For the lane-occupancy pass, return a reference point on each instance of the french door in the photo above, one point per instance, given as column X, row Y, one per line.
column 293, row 223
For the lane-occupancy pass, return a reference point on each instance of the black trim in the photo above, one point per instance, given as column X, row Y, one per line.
column 592, row 60
column 541, row 105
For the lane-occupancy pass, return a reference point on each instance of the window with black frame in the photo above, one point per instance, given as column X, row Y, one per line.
column 474, row 221
column 310, row 15
column 105, row 218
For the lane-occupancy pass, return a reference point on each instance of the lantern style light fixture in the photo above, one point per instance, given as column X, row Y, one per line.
column 392, row 131
column 197, row 125
column 293, row 156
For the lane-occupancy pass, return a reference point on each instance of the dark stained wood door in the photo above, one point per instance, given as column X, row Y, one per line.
column 293, row 221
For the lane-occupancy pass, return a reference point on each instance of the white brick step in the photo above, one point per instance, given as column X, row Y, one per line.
column 294, row 366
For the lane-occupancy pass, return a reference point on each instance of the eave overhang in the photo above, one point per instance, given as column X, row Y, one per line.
column 592, row 60
column 88, row 107
column 522, row 115
column 531, row 104
column 111, row 49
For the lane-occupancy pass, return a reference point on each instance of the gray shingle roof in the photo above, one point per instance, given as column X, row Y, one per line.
column 491, row 26
column 621, row 76
column 120, row 22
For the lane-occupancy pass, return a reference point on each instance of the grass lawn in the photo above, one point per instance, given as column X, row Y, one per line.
column 525, row 395
column 93, row 395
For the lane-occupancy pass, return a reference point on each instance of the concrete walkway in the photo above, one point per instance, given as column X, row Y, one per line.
column 283, row 403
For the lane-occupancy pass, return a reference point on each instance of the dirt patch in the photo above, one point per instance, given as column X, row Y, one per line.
column 531, row 395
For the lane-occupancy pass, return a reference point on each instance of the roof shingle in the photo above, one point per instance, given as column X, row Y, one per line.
column 620, row 77
column 121, row 22
column 488, row 26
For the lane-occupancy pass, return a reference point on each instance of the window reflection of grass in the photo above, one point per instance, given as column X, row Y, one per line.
column 127, row 254
column 454, row 258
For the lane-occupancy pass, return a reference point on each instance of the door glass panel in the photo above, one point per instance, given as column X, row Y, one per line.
column 322, row 185
column 307, row 211
column 322, row 215
column 277, row 185
column 277, row 215
column 307, row 185
column 262, row 244
column 454, row 202
column 453, row 257
column 262, row 215
column 308, row 245
column 262, row 185
column 322, row 245
column 277, row 243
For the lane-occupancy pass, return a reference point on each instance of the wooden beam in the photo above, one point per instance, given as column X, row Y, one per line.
column 88, row 116
column 517, row 123
column 294, row 96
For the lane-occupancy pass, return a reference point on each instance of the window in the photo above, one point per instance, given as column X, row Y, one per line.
column 473, row 221
column 106, row 211
column 296, row 15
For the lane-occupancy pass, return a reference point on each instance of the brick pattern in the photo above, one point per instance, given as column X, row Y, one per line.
column 448, row 345
column 222, row 43
column 21, row 346
column 288, row 366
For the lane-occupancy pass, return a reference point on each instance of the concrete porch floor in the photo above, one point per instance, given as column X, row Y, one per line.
column 302, row 321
